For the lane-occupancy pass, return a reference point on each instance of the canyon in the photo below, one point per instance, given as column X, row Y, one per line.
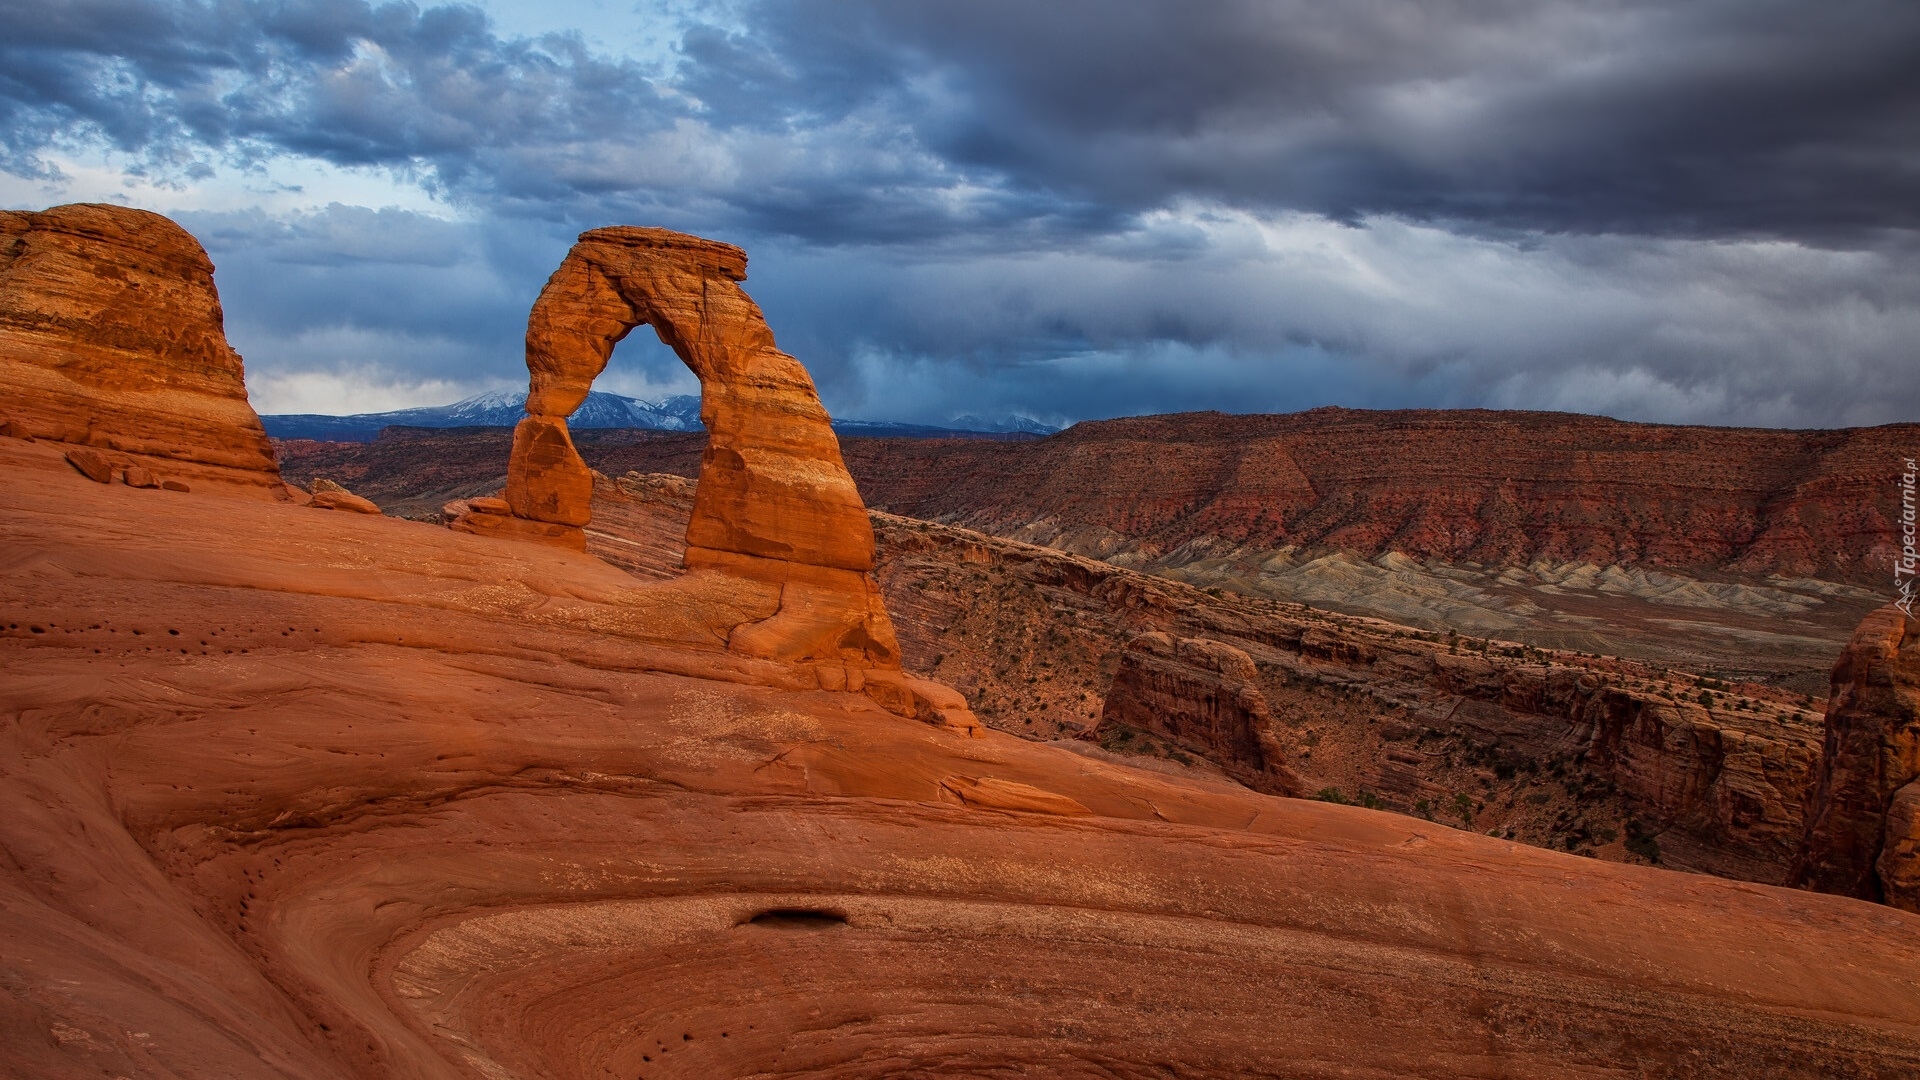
column 1693, row 547
column 292, row 792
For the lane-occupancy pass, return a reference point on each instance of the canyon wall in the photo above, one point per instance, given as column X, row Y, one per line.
column 1496, row 488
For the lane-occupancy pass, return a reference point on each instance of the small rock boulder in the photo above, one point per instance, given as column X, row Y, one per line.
column 328, row 495
column 92, row 464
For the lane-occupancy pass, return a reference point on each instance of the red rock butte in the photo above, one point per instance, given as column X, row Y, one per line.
column 111, row 337
column 289, row 793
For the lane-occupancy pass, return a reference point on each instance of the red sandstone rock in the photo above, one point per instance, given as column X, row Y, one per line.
column 1204, row 694
column 111, row 335
column 775, row 503
column 92, row 464
column 328, row 495
column 416, row 804
column 986, row 791
column 546, row 480
column 139, row 477
column 1590, row 750
column 1499, row 488
column 1863, row 815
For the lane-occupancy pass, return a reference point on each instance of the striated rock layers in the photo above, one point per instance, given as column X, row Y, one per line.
column 1204, row 694
column 1863, row 816
column 775, row 506
column 111, row 337
column 1499, row 488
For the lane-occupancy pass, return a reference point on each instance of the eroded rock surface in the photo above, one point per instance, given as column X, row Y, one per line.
column 1203, row 694
column 1863, row 816
column 776, row 505
column 111, row 336
column 303, row 795
column 1596, row 755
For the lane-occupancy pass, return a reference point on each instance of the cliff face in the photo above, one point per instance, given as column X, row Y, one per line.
column 1201, row 694
column 1608, row 757
column 1497, row 488
column 1863, row 815
column 111, row 337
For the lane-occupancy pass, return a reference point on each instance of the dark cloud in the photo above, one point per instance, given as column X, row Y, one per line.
column 1678, row 211
column 868, row 120
column 1733, row 117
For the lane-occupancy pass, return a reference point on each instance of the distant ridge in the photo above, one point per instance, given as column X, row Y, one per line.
column 504, row 408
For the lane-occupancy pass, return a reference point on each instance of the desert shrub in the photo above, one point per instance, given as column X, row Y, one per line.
column 1330, row 794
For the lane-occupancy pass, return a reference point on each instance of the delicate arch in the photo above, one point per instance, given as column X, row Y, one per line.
column 775, row 502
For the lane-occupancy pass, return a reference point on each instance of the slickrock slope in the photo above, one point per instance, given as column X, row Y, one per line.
column 776, row 505
column 1863, row 816
column 1198, row 693
column 295, row 793
column 111, row 336
column 1607, row 757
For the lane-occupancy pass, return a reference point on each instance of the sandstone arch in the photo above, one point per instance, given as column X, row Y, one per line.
column 775, row 505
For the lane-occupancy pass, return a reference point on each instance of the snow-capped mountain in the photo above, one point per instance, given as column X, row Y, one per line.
column 504, row 408
column 497, row 408
column 1006, row 424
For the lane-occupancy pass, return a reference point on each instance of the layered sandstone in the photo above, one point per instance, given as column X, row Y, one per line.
column 111, row 336
column 1503, row 488
column 1863, row 815
column 317, row 795
column 776, row 504
column 1200, row 694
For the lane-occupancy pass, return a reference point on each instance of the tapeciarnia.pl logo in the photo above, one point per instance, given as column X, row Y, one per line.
column 1903, row 564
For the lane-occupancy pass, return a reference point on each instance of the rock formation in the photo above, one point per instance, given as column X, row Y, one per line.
column 1602, row 756
column 776, row 505
column 1501, row 488
column 111, row 337
column 325, row 796
column 1863, row 815
column 1202, row 694
column 1814, row 487
column 328, row 495
column 391, row 800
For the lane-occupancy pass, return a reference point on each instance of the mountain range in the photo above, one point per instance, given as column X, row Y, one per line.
column 504, row 408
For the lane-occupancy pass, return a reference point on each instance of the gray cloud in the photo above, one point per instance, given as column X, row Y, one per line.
column 1694, row 212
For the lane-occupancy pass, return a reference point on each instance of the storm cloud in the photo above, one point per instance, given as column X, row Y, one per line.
column 1691, row 212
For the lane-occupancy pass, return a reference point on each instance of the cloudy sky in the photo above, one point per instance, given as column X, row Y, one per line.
column 1703, row 212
